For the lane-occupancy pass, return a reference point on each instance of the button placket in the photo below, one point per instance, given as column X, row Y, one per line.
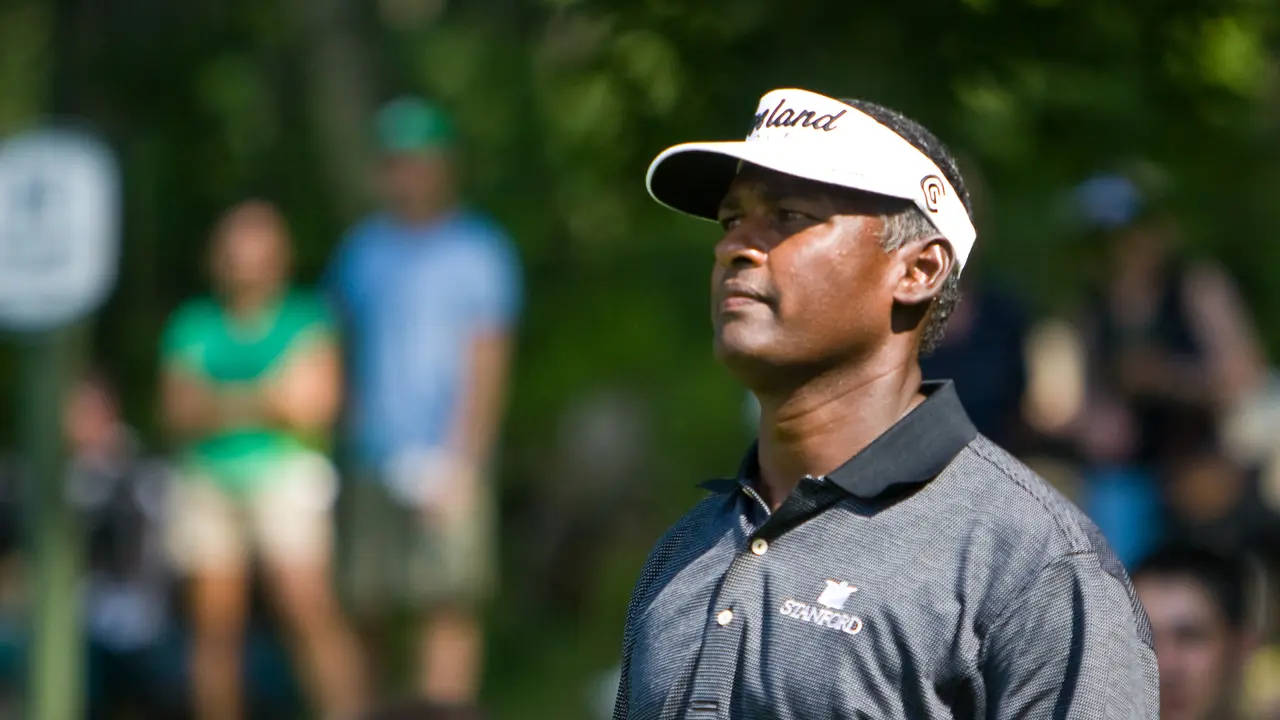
column 714, row 673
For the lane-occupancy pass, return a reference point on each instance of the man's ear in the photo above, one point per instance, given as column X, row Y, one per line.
column 927, row 264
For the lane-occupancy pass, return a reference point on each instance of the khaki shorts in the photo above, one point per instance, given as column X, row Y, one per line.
column 397, row 558
column 287, row 519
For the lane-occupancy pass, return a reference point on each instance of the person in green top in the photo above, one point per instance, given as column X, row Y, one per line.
column 250, row 388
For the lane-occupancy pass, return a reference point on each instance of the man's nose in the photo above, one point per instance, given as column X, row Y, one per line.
column 746, row 243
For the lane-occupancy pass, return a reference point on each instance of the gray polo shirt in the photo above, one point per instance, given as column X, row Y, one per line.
column 930, row 576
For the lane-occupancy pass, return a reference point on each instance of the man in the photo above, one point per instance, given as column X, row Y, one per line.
column 1196, row 600
column 874, row 557
column 429, row 292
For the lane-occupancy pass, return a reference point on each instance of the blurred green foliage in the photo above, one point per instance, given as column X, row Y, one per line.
column 561, row 104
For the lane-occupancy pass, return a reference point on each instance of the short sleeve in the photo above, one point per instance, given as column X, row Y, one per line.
column 184, row 337
column 495, row 282
column 306, row 324
column 1072, row 645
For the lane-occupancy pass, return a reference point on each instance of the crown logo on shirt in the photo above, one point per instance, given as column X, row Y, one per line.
column 836, row 594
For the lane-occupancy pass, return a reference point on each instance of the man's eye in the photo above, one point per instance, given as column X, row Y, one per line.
column 794, row 216
column 729, row 222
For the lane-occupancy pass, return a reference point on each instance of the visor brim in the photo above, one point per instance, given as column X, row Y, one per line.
column 694, row 177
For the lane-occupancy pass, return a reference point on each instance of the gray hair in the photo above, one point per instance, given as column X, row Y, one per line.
column 902, row 227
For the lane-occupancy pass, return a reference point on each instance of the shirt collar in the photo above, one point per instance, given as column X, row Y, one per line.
column 912, row 451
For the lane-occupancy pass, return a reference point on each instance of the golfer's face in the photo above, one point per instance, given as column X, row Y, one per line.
column 800, row 279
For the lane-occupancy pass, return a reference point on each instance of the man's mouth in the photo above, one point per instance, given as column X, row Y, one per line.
column 737, row 294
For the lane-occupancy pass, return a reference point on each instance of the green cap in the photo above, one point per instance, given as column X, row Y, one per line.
column 410, row 124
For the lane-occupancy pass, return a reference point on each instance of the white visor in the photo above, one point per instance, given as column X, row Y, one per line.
column 812, row 136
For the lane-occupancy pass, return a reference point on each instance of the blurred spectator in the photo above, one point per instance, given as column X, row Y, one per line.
column 251, row 384
column 982, row 352
column 1196, row 600
column 1171, row 339
column 1210, row 496
column 13, row 609
column 1249, row 435
column 135, row 659
column 429, row 292
column 1169, row 343
column 599, row 457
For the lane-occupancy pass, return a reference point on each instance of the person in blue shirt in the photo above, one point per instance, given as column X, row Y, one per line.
column 428, row 293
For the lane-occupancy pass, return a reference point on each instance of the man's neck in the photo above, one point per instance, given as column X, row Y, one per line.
column 249, row 303
column 816, row 427
column 426, row 213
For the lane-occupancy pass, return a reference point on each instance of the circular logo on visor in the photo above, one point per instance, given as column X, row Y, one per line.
column 933, row 190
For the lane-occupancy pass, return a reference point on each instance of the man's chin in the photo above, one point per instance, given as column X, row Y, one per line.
column 736, row 344
column 754, row 360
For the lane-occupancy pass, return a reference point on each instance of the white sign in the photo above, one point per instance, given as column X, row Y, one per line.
column 59, row 228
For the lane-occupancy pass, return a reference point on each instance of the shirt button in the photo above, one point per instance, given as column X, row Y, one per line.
column 724, row 617
column 759, row 546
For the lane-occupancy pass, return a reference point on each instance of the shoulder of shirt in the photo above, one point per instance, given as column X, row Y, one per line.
column 356, row 241
column 370, row 225
column 482, row 231
column 694, row 520
column 478, row 221
column 197, row 309
column 1023, row 502
column 1028, row 527
column 680, row 540
column 307, row 305
column 304, row 298
column 466, row 226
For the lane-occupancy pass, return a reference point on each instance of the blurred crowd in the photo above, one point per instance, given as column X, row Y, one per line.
column 321, row 530
column 1152, row 406
column 367, row 544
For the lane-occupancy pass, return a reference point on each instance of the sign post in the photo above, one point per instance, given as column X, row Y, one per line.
column 55, row 652
column 59, row 243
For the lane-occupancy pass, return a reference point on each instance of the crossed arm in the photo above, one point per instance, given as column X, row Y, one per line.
column 301, row 394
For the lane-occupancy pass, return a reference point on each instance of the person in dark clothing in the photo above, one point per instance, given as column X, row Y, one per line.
column 1169, row 343
column 1168, row 339
column 135, row 656
column 874, row 556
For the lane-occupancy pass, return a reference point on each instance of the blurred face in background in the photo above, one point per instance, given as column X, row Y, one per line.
column 91, row 419
column 1143, row 249
column 417, row 186
column 250, row 254
column 800, row 280
column 1200, row 654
